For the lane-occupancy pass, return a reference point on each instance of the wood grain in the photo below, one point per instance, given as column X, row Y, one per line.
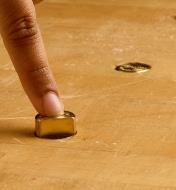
column 126, row 122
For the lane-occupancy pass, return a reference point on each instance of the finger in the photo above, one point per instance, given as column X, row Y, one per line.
column 23, row 41
column 36, row 1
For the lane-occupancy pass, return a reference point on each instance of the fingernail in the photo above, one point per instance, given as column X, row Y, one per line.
column 52, row 106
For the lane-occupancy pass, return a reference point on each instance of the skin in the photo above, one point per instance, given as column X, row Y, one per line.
column 23, row 41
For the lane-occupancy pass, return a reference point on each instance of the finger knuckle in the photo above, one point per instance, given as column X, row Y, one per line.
column 23, row 29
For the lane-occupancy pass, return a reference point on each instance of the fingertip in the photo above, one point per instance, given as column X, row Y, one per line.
column 52, row 105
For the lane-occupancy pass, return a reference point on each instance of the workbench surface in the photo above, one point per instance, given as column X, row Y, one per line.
column 126, row 121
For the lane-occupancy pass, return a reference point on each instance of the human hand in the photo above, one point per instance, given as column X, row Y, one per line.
column 23, row 41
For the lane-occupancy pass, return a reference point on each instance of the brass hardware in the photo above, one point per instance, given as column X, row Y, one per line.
column 55, row 127
column 133, row 67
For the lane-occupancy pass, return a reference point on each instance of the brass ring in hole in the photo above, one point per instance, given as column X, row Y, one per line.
column 133, row 67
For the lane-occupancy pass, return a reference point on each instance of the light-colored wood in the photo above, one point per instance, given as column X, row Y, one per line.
column 126, row 122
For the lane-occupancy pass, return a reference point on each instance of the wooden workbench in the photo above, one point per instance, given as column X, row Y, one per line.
column 126, row 122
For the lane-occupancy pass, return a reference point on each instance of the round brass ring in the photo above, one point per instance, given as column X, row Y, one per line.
column 133, row 67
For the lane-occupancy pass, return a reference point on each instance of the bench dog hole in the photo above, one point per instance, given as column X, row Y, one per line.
column 133, row 67
column 57, row 136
